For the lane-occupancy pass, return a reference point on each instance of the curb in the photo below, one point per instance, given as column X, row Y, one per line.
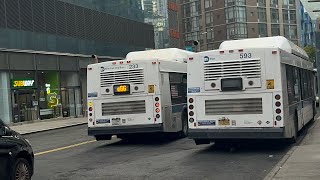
column 44, row 120
column 279, row 165
column 49, row 129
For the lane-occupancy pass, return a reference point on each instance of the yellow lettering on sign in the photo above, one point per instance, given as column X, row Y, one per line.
column 270, row 84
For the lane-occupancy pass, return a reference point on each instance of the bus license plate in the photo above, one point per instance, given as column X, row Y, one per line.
column 225, row 122
column 101, row 121
column 116, row 121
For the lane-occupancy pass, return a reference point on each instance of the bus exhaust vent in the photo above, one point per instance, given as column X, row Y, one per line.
column 128, row 107
column 233, row 106
column 109, row 78
column 231, row 69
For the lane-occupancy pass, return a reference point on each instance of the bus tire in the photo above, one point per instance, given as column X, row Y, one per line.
column 293, row 139
column 202, row 141
column 184, row 119
column 102, row 137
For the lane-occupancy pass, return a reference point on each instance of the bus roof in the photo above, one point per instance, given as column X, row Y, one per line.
column 169, row 54
column 266, row 42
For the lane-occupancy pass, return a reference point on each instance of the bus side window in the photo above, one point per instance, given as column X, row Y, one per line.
column 178, row 88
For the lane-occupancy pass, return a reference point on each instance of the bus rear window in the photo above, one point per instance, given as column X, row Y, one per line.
column 232, row 84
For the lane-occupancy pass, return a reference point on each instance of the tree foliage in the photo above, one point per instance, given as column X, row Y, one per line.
column 311, row 51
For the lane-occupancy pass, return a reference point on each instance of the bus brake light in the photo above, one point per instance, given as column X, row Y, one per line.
column 157, row 104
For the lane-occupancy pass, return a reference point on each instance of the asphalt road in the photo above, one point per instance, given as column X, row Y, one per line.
column 147, row 159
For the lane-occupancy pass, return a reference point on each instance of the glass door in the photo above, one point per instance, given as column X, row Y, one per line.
column 71, row 102
column 25, row 105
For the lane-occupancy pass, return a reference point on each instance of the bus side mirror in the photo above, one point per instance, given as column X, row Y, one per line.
column 3, row 131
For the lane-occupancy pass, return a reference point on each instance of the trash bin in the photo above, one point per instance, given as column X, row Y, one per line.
column 65, row 112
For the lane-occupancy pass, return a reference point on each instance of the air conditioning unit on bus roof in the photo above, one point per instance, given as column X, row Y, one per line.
column 168, row 54
column 265, row 42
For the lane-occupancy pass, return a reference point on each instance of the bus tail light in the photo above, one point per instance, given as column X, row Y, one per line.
column 274, row 52
column 191, row 113
column 128, row 62
column 191, row 107
column 121, row 62
column 157, row 104
column 230, row 51
column 278, row 104
column 277, row 97
column 278, row 118
column 278, row 111
column 191, row 120
column 158, row 116
column 191, row 58
column 156, row 99
column 221, row 52
column 194, row 124
column 154, row 62
column 157, row 110
column 90, row 109
column 240, row 50
column 191, row 100
column 114, row 63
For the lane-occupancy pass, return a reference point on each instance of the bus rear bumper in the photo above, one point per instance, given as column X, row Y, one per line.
column 116, row 130
column 237, row 133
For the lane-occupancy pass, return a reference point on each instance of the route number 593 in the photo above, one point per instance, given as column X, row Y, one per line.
column 245, row 55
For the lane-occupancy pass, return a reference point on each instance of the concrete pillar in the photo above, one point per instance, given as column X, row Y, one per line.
column 5, row 100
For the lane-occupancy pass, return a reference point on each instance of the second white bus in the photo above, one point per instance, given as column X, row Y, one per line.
column 260, row 88
column 144, row 93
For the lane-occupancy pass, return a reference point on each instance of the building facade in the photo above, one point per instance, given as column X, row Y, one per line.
column 213, row 21
column 307, row 27
column 45, row 47
column 131, row 9
column 163, row 15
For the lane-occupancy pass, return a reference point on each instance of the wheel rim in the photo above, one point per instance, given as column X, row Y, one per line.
column 22, row 172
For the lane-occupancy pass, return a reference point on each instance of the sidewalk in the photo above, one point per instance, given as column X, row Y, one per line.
column 304, row 162
column 45, row 125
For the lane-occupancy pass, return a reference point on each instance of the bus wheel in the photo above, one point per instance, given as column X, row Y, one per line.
column 201, row 141
column 184, row 132
column 293, row 139
column 102, row 137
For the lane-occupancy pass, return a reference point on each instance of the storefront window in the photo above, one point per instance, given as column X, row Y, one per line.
column 71, row 94
column 24, row 96
column 49, row 94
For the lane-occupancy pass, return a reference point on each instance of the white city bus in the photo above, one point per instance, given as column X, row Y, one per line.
column 144, row 93
column 261, row 88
